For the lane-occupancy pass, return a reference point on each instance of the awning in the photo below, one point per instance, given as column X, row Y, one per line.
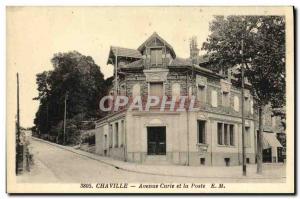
column 270, row 140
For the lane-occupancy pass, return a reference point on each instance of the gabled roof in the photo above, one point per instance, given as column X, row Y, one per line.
column 123, row 52
column 135, row 64
column 155, row 35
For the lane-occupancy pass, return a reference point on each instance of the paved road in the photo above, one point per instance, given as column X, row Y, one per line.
column 54, row 164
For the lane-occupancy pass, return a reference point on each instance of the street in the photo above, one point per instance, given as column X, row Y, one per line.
column 54, row 164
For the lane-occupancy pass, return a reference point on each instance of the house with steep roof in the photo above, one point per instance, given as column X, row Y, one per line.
column 210, row 134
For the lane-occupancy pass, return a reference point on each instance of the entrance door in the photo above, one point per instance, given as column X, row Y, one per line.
column 156, row 140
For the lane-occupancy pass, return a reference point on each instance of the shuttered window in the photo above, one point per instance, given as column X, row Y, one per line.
column 136, row 90
column 236, row 104
column 214, row 98
column 156, row 56
column 201, row 132
column 201, row 94
column 225, row 134
column 247, row 137
column 156, row 89
column 176, row 90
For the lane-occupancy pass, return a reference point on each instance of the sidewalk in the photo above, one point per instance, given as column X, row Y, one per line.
column 270, row 171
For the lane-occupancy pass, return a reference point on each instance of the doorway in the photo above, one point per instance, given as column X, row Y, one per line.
column 156, row 138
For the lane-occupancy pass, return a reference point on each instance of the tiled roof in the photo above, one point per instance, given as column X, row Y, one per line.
column 180, row 62
column 135, row 64
column 187, row 62
column 126, row 52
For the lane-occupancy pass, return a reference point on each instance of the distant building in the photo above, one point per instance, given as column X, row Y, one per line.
column 209, row 136
column 274, row 145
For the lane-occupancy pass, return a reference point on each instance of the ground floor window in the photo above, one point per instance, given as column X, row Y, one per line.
column 247, row 137
column 116, row 134
column 201, row 132
column 110, row 135
column 220, row 133
column 202, row 161
column 225, row 134
column 156, row 139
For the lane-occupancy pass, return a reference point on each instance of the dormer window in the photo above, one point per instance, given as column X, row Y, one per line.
column 156, row 56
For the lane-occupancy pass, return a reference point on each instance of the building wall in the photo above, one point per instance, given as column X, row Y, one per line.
column 108, row 142
column 177, row 141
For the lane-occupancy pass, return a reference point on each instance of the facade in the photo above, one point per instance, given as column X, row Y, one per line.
column 274, row 145
column 211, row 135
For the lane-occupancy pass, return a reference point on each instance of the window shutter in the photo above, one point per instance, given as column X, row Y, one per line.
column 153, row 57
column 236, row 104
column 214, row 98
column 136, row 90
column 156, row 89
column 159, row 56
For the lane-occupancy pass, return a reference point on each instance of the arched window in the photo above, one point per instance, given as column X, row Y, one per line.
column 190, row 92
column 176, row 90
column 214, row 98
column 236, row 104
column 136, row 90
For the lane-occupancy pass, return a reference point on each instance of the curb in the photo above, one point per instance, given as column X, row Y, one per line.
column 141, row 172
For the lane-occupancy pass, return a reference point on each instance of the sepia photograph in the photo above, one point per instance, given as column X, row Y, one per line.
column 150, row 99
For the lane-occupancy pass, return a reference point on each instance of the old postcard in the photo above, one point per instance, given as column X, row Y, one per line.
column 150, row 100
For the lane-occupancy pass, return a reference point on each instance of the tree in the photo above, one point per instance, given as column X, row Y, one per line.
column 263, row 39
column 81, row 78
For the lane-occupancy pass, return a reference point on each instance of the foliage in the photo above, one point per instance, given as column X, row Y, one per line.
column 258, row 44
column 76, row 76
column 263, row 54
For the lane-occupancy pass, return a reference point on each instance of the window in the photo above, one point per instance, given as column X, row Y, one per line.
column 225, row 99
column 247, row 105
column 202, row 161
column 156, row 56
column 227, row 161
column 201, row 132
column 247, row 137
column 225, row 134
column 214, row 98
column 251, row 107
column 220, row 136
column 156, row 89
column 236, row 104
column 116, row 134
column 176, row 90
column 136, row 90
column 122, row 132
column 122, row 90
column 190, row 92
column 201, row 94
column 231, row 130
column 110, row 135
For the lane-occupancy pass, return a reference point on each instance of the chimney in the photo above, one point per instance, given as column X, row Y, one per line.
column 194, row 51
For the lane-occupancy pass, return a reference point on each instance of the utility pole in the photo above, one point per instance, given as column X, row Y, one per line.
column 19, row 154
column 116, row 73
column 65, row 117
column 243, row 114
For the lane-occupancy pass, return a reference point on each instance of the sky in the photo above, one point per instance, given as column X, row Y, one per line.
column 34, row 34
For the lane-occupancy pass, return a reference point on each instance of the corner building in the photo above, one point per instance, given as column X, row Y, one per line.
column 210, row 136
